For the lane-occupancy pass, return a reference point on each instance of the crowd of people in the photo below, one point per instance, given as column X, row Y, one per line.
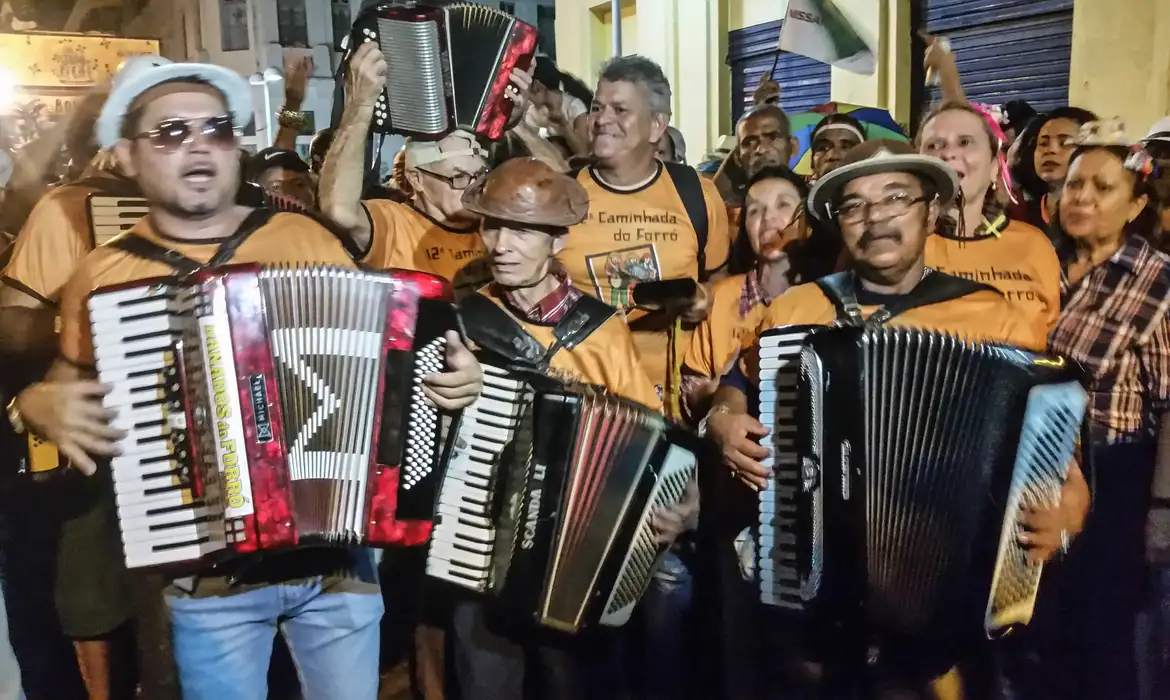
column 1042, row 231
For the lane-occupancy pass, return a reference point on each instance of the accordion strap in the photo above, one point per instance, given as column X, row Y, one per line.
column 497, row 331
column 935, row 288
column 143, row 247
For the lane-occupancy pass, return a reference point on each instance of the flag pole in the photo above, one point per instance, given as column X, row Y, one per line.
column 615, row 11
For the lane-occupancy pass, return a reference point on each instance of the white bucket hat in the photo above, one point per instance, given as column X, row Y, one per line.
column 141, row 73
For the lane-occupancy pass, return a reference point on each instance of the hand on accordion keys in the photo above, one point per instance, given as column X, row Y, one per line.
column 669, row 523
column 459, row 386
column 736, row 435
column 1048, row 530
column 70, row 414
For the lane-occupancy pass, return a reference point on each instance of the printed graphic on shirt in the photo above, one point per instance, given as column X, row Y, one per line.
column 1015, row 283
column 615, row 273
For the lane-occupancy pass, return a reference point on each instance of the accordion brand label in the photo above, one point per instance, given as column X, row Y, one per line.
column 227, row 419
column 532, row 516
column 846, row 449
column 259, row 393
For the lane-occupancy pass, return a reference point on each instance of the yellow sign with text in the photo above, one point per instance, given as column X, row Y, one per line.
column 47, row 60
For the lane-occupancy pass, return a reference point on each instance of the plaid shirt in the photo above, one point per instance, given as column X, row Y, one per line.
column 753, row 294
column 550, row 309
column 1114, row 321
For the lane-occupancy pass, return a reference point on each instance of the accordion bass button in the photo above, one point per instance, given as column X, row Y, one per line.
column 810, row 474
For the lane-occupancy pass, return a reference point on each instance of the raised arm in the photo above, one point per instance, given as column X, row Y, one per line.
column 940, row 60
column 296, row 82
column 340, row 189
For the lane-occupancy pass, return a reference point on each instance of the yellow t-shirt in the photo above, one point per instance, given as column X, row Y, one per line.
column 404, row 237
column 606, row 357
column 285, row 238
column 725, row 333
column 53, row 241
column 982, row 316
column 637, row 236
column 1020, row 262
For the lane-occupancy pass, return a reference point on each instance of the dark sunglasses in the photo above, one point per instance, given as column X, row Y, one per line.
column 172, row 134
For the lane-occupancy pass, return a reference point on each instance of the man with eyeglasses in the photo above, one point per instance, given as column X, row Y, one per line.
column 885, row 200
column 173, row 127
column 433, row 232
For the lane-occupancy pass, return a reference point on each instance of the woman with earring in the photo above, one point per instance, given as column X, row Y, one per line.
column 1116, row 323
column 977, row 240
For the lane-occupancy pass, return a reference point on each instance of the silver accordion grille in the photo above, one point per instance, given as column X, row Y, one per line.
column 414, row 99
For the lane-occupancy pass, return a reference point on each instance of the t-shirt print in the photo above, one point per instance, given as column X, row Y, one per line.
column 614, row 273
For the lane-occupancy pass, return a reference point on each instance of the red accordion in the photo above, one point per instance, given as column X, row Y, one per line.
column 449, row 67
column 269, row 408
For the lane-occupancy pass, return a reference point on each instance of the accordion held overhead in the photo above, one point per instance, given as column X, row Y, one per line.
column 449, row 67
column 267, row 408
column 547, row 498
column 901, row 460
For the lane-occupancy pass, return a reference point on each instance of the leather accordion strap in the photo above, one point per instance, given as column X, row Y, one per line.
column 586, row 316
column 496, row 331
column 935, row 288
column 145, row 248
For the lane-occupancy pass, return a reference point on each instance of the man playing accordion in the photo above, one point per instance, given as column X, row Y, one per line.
column 885, row 200
column 532, row 305
column 175, row 129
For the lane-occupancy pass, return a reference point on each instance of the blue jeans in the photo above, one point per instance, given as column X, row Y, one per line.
column 666, row 668
column 223, row 644
column 9, row 671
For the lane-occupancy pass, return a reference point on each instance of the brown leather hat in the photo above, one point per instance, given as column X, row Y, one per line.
column 528, row 191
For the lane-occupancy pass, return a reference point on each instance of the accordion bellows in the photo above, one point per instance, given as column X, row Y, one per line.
column 547, row 499
column 270, row 408
column 901, row 461
column 449, row 67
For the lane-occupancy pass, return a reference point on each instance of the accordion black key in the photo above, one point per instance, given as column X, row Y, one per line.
column 449, row 67
column 110, row 216
column 546, row 502
column 901, row 460
column 268, row 408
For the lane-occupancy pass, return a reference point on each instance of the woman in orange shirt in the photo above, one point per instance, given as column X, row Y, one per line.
column 976, row 239
column 777, row 246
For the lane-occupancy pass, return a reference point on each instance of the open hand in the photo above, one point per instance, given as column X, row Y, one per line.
column 736, row 435
column 768, row 91
column 70, row 414
column 459, row 386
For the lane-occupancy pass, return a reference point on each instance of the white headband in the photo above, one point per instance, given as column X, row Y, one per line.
column 843, row 127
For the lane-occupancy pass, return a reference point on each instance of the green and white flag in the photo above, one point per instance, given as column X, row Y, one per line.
column 821, row 30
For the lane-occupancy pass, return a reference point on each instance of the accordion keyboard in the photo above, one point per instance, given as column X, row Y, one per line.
column 111, row 216
column 781, row 582
column 164, row 519
column 463, row 539
column 1051, row 422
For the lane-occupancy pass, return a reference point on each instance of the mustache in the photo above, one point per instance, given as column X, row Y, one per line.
column 871, row 234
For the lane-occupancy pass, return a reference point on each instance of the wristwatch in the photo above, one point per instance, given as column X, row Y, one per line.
column 715, row 410
column 14, row 417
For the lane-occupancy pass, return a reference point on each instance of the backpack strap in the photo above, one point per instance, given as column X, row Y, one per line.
column 935, row 288
column 586, row 316
column 690, row 191
column 142, row 247
column 496, row 331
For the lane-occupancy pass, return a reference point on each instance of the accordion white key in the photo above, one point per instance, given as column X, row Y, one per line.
column 270, row 408
column 110, row 216
column 901, row 460
column 547, row 500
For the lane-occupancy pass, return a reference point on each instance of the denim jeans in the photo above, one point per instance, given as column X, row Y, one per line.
column 9, row 671
column 223, row 644
column 666, row 665
column 1154, row 638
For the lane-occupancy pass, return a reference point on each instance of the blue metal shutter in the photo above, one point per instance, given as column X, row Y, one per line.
column 804, row 83
column 1008, row 49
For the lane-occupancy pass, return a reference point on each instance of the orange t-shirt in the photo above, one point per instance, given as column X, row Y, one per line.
column 404, row 237
column 53, row 241
column 637, row 236
column 725, row 333
column 606, row 357
column 982, row 316
column 286, row 238
column 1020, row 262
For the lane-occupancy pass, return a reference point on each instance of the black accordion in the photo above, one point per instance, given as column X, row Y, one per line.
column 546, row 501
column 449, row 67
column 901, row 459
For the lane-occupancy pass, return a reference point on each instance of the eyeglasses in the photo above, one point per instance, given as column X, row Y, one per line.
column 172, row 134
column 892, row 206
column 458, row 181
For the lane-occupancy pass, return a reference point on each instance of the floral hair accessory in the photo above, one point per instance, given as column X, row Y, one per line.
column 992, row 115
column 1139, row 161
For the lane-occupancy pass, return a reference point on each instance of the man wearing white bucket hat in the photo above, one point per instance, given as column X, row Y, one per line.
column 174, row 127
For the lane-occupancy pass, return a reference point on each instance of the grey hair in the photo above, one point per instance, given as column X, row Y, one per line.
column 637, row 70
